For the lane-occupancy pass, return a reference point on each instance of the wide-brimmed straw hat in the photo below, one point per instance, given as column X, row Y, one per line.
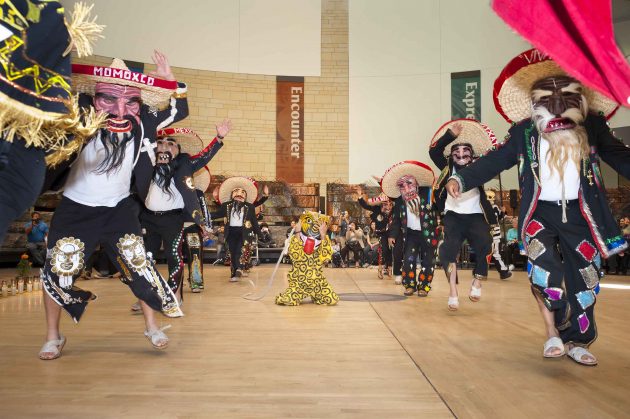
column 155, row 93
column 188, row 140
column 423, row 174
column 478, row 135
column 229, row 184
column 201, row 179
column 512, row 89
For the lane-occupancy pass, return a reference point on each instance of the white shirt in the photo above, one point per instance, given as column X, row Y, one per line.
column 158, row 200
column 87, row 187
column 551, row 186
column 467, row 203
column 413, row 221
column 236, row 218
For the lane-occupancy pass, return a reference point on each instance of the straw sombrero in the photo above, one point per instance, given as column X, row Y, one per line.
column 478, row 135
column 188, row 140
column 229, row 184
column 201, row 179
column 423, row 174
column 155, row 92
column 512, row 89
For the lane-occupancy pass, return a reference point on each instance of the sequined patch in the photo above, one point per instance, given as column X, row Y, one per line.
column 529, row 269
column 583, row 322
column 534, row 227
column 585, row 298
column 535, row 249
column 590, row 275
column 540, row 276
column 554, row 294
column 587, row 250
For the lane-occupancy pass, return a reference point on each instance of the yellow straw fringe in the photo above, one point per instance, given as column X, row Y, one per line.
column 59, row 136
column 84, row 31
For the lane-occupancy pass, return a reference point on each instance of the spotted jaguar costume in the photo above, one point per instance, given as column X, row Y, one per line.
column 309, row 252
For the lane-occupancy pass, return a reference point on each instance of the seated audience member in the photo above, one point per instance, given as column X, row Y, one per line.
column 618, row 264
column 265, row 239
column 370, row 251
column 36, row 233
column 354, row 244
column 513, row 251
column 219, row 232
column 337, row 261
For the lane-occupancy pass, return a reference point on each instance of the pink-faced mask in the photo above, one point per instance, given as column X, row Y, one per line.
column 408, row 187
column 118, row 102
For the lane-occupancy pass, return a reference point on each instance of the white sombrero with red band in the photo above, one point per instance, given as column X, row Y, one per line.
column 478, row 135
column 423, row 174
column 202, row 178
column 187, row 139
column 229, row 184
column 512, row 89
column 155, row 92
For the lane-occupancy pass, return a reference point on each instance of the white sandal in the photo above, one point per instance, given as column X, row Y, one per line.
column 475, row 293
column 553, row 343
column 453, row 303
column 157, row 335
column 577, row 352
column 52, row 347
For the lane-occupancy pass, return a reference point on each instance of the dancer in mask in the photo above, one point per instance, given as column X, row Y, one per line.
column 465, row 218
column 97, row 206
column 565, row 223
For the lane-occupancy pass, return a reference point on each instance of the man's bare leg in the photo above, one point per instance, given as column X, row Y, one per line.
column 53, row 315
column 151, row 323
column 550, row 326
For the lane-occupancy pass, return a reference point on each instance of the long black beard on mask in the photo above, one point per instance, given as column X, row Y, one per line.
column 237, row 206
column 163, row 174
column 414, row 205
column 115, row 144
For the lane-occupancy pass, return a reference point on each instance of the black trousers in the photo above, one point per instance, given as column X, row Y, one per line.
column 386, row 251
column 235, row 246
column 356, row 249
column 470, row 227
column 76, row 230
column 167, row 229
column 397, row 255
column 418, row 244
column 193, row 251
column 21, row 178
column 564, row 269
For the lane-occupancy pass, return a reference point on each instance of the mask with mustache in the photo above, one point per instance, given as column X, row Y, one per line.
column 462, row 155
column 115, row 144
column 559, row 109
column 164, row 170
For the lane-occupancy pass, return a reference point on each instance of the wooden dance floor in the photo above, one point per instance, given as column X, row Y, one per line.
column 375, row 355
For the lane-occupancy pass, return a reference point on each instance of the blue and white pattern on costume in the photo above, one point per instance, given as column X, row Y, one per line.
column 585, row 298
column 540, row 276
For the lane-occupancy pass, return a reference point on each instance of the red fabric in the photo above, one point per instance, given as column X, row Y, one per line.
column 119, row 74
column 578, row 35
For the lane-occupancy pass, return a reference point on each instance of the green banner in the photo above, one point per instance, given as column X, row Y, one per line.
column 466, row 95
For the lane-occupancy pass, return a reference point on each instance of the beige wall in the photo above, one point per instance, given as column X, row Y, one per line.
column 274, row 37
column 249, row 100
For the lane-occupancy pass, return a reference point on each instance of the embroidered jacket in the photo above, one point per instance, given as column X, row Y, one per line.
column 445, row 164
column 428, row 219
column 183, row 180
column 523, row 148
column 250, row 224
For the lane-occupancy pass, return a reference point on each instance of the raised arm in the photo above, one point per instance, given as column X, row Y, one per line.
column 610, row 149
column 436, row 152
column 204, row 156
column 178, row 105
column 367, row 206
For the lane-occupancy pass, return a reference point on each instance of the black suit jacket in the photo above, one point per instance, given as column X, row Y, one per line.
column 250, row 224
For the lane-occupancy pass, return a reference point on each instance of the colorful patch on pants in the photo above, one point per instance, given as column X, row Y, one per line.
column 534, row 227
column 535, row 249
column 540, row 276
column 585, row 298
column 583, row 322
column 554, row 294
column 590, row 276
column 587, row 250
column 597, row 261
